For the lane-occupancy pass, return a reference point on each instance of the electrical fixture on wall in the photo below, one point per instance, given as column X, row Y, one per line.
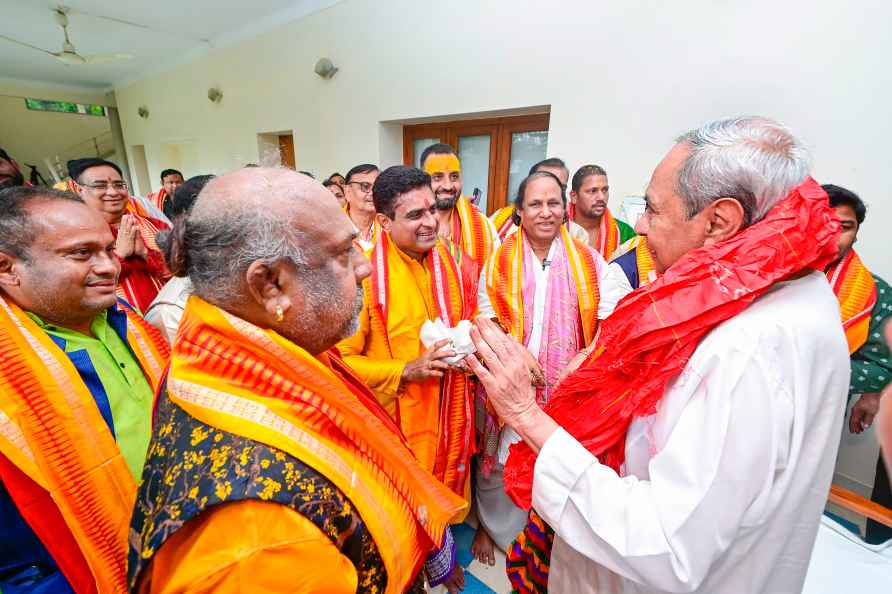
column 143, row 112
column 215, row 95
column 325, row 68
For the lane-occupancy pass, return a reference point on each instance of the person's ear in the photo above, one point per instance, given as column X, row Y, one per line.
column 724, row 219
column 573, row 196
column 384, row 221
column 270, row 285
column 8, row 275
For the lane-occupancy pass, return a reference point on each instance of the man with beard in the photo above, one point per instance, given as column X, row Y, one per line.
column 589, row 197
column 360, row 207
column 694, row 450
column 171, row 179
column 79, row 370
column 460, row 221
column 272, row 468
column 10, row 174
column 143, row 272
column 417, row 276
column 865, row 303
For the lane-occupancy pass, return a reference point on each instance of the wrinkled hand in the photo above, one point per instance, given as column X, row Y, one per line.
column 127, row 232
column 537, row 376
column 506, row 375
column 864, row 411
column 429, row 365
column 456, row 581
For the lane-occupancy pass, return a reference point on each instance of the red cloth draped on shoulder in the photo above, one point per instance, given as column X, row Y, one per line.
column 652, row 334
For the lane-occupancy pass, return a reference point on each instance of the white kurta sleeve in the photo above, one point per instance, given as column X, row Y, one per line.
column 484, row 305
column 614, row 287
column 707, row 482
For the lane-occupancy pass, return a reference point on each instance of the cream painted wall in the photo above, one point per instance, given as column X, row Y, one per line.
column 622, row 79
column 29, row 136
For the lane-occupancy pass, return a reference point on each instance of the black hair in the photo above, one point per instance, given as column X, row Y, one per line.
column 552, row 162
column 308, row 174
column 16, row 227
column 584, row 173
column 440, row 148
column 840, row 196
column 167, row 172
column 359, row 170
column 186, row 194
column 522, row 189
column 328, row 183
column 335, row 174
column 393, row 183
column 4, row 155
column 76, row 167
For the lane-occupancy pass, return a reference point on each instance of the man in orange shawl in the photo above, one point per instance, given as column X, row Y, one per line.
column 461, row 222
column 693, row 451
column 171, row 179
column 589, row 195
column 143, row 271
column 417, row 276
column 78, row 373
column 546, row 289
column 865, row 304
column 264, row 441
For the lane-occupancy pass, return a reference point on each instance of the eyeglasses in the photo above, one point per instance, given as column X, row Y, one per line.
column 365, row 187
column 104, row 186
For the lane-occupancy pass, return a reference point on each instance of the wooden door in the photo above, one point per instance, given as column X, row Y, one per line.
column 286, row 150
column 485, row 149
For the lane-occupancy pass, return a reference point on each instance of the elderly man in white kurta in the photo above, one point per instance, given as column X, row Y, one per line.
column 693, row 451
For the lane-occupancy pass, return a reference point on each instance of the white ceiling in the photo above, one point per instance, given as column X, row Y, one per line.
column 168, row 32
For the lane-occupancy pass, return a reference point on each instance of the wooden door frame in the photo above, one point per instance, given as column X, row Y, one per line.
column 499, row 129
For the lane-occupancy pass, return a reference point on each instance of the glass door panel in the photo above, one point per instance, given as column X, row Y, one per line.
column 527, row 149
column 473, row 151
column 418, row 146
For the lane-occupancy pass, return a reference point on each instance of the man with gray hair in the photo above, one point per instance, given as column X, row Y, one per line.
column 271, row 467
column 693, row 450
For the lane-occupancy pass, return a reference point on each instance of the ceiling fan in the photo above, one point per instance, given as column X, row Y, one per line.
column 69, row 55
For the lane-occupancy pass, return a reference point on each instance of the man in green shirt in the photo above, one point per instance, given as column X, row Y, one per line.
column 76, row 387
column 871, row 367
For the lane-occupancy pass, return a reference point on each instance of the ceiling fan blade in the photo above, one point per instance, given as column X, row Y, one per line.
column 28, row 45
column 100, row 58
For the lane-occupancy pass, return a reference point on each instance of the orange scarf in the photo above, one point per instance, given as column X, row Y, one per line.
column 471, row 231
column 857, row 293
column 644, row 259
column 71, row 483
column 254, row 383
column 653, row 332
column 608, row 235
column 503, row 221
column 454, row 290
column 504, row 283
column 158, row 198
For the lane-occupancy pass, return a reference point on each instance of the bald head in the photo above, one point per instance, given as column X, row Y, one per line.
column 263, row 242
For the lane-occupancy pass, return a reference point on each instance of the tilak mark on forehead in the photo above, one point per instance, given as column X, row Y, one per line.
column 441, row 164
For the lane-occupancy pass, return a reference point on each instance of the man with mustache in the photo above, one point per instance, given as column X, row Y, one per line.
column 589, row 195
column 460, row 221
column 417, row 276
column 694, row 449
column 359, row 207
column 79, row 370
column 272, row 468
column 143, row 272
column 171, row 179
column 10, row 174
column 865, row 304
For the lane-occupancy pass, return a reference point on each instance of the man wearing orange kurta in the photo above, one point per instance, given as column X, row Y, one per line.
column 77, row 374
column 460, row 221
column 417, row 276
column 272, row 468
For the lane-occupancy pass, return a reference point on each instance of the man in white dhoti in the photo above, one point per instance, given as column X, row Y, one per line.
column 693, row 451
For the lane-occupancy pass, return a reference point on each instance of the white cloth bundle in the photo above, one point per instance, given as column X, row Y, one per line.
column 459, row 338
